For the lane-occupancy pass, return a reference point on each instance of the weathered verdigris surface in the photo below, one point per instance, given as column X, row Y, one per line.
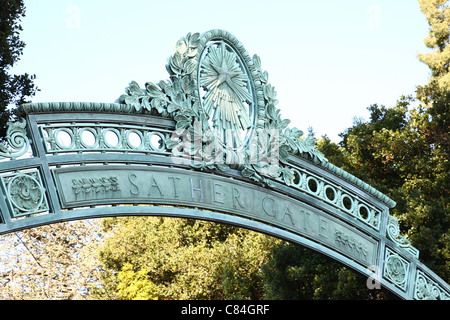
column 93, row 185
column 208, row 143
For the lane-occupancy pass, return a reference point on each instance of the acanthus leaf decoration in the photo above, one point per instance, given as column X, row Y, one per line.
column 166, row 98
column 226, row 98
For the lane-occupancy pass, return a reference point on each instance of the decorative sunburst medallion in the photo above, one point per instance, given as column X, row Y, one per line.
column 227, row 97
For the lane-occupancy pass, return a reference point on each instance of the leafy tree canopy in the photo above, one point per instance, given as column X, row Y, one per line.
column 168, row 258
column 14, row 89
column 437, row 13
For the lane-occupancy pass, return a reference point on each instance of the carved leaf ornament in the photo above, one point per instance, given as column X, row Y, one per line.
column 224, row 108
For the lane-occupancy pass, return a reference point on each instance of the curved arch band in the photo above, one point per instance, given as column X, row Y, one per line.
column 143, row 156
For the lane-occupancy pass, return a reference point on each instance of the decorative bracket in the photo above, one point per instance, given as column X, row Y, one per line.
column 17, row 142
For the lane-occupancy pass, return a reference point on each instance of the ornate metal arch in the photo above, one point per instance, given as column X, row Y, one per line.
column 173, row 149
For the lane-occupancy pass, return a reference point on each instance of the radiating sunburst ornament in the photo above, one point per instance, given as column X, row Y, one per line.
column 227, row 97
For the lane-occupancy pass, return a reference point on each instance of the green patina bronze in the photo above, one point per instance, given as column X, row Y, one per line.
column 208, row 143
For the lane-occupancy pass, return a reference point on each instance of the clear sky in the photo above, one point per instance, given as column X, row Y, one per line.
column 328, row 60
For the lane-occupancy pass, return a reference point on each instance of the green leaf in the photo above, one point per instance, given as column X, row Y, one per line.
column 172, row 143
column 297, row 133
column 146, row 102
column 271, row 111
column 284, row 123
column 192, row 52
column 153, row 90
column 181, row 117
column 159, row 104
column 193, row 40
column 122, row 98
column 133, row 101
column 310, row 142
column 257, row 61
column 283, row 154
column 175, row 64
column 190, row 65
column 171, row 107
column 247, row 172
column 182, row 124
column 264, row 77
column 135, row 90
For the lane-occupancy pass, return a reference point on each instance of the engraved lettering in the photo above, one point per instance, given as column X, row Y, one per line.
column 175, row 194
column 323, row 228
column 288, row 213
column 134, row 189
column 95, row 187
column 351, row 242
column 218, row 192
column 236, row 198
column 199, row 190
column 271, row 212
column 166, row 186
column 306, row 222
column 153, row 185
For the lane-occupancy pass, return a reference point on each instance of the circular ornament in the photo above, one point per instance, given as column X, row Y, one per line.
column 25, row 193
column 226, row 89
column 396, row 270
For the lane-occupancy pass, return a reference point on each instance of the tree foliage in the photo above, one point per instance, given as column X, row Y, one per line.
column 168, row 258
column 50, row 262
column 403, row 151
column 296, row 273
column 14, row 89
column 437, row 13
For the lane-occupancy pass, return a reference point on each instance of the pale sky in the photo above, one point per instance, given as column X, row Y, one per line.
column 328, row 60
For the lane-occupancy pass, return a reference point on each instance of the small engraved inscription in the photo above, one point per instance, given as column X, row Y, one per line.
column 351, row 242
column 100, row 187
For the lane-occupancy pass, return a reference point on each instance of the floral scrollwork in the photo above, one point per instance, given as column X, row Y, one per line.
column 427, row 289
column 25, row 193
column 393, row 232
column 396, row 269
column 17, row 142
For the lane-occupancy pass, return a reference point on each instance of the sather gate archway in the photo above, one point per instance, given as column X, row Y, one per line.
column 208, row 144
